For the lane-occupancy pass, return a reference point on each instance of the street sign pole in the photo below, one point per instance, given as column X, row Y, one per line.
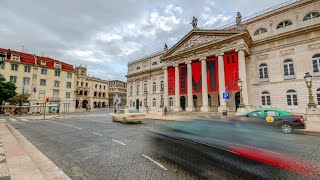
column 44, row 112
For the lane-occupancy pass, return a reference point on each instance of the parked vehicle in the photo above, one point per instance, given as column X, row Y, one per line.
column 286, row 121
column 128, row 115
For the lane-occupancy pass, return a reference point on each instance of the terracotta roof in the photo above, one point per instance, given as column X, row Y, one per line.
column 30, row 59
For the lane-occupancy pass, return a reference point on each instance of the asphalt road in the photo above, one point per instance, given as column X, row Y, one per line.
column 90, row 146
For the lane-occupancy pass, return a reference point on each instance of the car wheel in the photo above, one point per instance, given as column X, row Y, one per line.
column 125, row 120
column 286, row 128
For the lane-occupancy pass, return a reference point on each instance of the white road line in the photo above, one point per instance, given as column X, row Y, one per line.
column 2, row 120
column 160, row 165
column 119, row 142
column 65, row 125
column 282, row 138
column 96, row 134
column 24, row 119
column 13, row 120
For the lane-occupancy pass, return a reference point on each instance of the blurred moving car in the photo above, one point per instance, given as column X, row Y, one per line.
column 273, row 118
column 128, row 115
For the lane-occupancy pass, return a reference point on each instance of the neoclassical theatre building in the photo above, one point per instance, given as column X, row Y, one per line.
column 269, row 53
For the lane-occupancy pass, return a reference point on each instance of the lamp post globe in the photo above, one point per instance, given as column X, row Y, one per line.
column 308, row 79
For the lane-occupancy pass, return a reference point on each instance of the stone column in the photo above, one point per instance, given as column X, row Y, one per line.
column 243, row 75
column 165, row 90
column 177, row 89
column 190, row 106
column 149, row 100
column 205, row 107
column 222, row 85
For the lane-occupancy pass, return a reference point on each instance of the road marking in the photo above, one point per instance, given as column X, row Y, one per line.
column 24, row 119
column 2, row 120
column 282, row 138
column 160, row 165
column 119, row 142
column 65, row 125
column 96, row 134
column 13, row 120
column 146, row 127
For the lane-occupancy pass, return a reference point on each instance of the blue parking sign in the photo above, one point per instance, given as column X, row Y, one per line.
column 226, row 96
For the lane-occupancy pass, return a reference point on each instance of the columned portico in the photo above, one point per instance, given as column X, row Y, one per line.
column 243, row 75
column 177, row 106
column 222, row 85
column 205, row 107
column 165, row 91
column 190, row 106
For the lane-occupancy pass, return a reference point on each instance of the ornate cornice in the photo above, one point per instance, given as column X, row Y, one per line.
column 219, row 54
column 203, row 59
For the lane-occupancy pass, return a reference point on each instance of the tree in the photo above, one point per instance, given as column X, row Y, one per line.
column 7, row 90
column 18, row 99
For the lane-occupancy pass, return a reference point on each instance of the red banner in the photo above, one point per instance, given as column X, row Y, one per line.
column 231, row 71
column 196, row 78
column 171, row 80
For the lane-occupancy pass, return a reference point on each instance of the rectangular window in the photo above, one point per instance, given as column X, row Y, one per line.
column 2, row 66
column 315, row 66
column 56, row 83
column 13, row 79
column 68, row 84
column 57, row 73
column 289, row 100
column 44, row 71
column 43, row 62
column 69, row 74
column 27, row 68
column 55, row 95
column 67, row 95
column 26, row 81
column 43, row 82
column 15, row 57
column 295, row 100
column 57, row 65
column 286, row 70
column 42, row 93
column 14, row 67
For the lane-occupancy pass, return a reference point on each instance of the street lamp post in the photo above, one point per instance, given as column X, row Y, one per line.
column 241, row 105
column 308, row 79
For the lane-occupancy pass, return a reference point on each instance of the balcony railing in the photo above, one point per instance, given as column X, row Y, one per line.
column 55, row 99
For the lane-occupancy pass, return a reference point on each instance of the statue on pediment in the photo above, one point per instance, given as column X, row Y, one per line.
column 165, row 47
column 238, row 19
column 194, row 23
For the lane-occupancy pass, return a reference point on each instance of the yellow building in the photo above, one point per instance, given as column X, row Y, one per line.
column 40, row 77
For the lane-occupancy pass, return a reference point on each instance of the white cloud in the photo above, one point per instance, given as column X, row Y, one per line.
column 215, row 20
column 107, row 37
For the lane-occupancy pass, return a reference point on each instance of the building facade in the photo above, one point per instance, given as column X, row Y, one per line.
column 269, row 54
column 92, row 92
column 40, row 77
column 117, row 93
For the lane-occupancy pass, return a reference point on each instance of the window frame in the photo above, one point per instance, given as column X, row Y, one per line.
column 57, row 73
column 154, row 87
column 259, row 31
column 284, row 24
column 14, row 67
column 154, row 102
column 44, row 71
column 291, row 73
column 13, row 79
column 43, row 82
column 27, row 69
column 265, row 98
column 311, row 16
column 263, row 71
column 290, row 98
column 316, row 58
column 56, row 83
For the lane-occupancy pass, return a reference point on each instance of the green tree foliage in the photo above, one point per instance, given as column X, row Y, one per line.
column 7, row 90
column 18, row 99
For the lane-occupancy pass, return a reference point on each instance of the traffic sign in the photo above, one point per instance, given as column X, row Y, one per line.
column 226, row 96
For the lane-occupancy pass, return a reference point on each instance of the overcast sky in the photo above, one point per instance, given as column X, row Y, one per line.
column 106, row 34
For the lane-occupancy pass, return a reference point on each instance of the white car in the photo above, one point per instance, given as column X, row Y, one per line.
column 128, row 115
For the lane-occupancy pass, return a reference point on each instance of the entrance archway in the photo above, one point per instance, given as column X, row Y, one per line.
column 84, row 104
column 195, row 100
column 183, row 102
column 137, row 104
column 104, row 104
column 77, row 104
column 95, row 104
column 237, row 99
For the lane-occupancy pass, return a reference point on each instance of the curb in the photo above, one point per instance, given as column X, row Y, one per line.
column 312, row 133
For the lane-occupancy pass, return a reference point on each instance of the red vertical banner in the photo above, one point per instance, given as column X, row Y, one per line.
column 171, row 80
column 196, row 78
column 231, row 71
column 212, row 75
column 183, row 79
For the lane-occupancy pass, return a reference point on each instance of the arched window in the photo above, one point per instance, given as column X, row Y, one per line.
column 260, row 31
column 86, row 84
column 138, row 67
column 154, row 63
column 171, row 102
column 154, row 102
column 292, row 98
column 154, row 87
column 162, row 85
column 284, row 24
column 85, row 93
column 103, row 94
column 81, row 84
column 81, row 92
column 145, row 88
column 95, row 94
column 318, row 96
column 263, row 72
column 316, row 64
column 311, row 15
column 288, row 69
column 265, row 98
column 131, row 88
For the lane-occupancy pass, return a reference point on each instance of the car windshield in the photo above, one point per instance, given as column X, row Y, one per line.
column 133, row 111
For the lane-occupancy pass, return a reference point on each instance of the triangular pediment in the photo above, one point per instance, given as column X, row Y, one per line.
column 197, row 38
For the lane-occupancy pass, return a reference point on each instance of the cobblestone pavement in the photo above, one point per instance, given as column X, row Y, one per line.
column 4, row 171
column 91, row 146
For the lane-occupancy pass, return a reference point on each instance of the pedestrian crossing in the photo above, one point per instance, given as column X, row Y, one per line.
column 14, row 120
column 82, row 116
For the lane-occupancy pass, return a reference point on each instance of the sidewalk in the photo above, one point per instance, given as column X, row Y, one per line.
column 25, row 161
